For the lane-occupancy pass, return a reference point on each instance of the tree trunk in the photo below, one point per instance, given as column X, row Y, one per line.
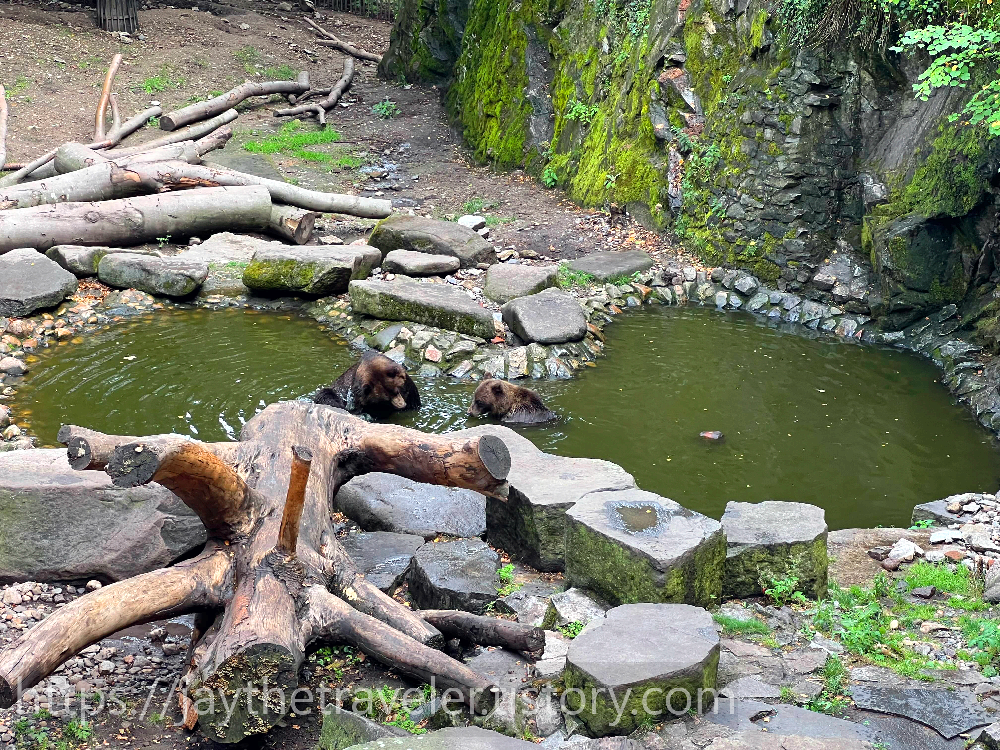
column 132, row 221
column 195, row 112
column 272, row 564
column 291, row 223
column 118, row 15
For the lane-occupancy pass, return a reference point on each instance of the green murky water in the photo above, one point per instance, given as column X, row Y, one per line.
column 866, row 433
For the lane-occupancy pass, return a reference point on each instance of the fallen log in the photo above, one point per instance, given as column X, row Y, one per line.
column 132, row 221
column 188, row 134
column 3, row 126
column 332, row 40
column 326, row 104
column 195, row 112
column 292, row 223
column 125, row 129
column 486, row 631
column 73, row 156
column 272, row 566
column 102, row 104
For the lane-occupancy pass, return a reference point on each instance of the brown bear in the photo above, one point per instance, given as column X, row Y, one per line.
column 509, row 403
column 375, row 386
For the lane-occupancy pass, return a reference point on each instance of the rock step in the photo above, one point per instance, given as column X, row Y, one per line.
column 30, row 281
column 604, row 266
column 410, row 263
column 551, row 316
column 277, row 269
column 439, row 305
column 507, row 281
column 167, row 277
column 419, row 234
column 455, row 575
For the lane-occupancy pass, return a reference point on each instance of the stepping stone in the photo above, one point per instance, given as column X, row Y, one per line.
column 166, row 277
column 750, row 687
column 73, row 525
column 29, row 281
column 747, row 715
column 455, row 738
column 384, row 557
column 343, row 729
column 937, row 510
column 531, row 524
column 774, row 540
column 278, row 270
column 550, row 317
column 438, row 305
column 635, row 546
column 572, row 605
column 410, row 263
column 634, row 659
column 387, row 502
column 529, row 609
column 401, row 232
column 82, row 261
column 455, row 575
column 506, row 281
column 948, row 712
column 610, row 265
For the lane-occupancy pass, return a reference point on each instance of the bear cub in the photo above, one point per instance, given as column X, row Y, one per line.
column 509, row 403
column 375, row 386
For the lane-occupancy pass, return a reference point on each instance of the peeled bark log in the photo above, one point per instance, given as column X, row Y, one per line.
column 195, row 112
column 331, row 40
column 291, row 223
column 273, row 565
column 71, row 157
column 3, row 126
column 132, row 221
column 188, row 134
column 331, row 100
column 102, row 104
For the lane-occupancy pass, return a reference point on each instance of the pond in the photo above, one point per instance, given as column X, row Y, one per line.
column 865, row 432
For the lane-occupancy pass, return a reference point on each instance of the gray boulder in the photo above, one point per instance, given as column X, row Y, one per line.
column 309, row 271
column 531, row 524
column 633, row 546
column 29, row 281
column 168, row 277
column 343, row 729
column 411, row 263
column 642, row 664
column 610, row 265
column 774, row 540
column 572, row 605
column 454, row 738
column 511, row 673
column 65, row 525
column 550, row 317
column 438, row 305
column 507, row 281
column 383, row 556
column 387, row 502
column 423, row 235
column 79, row 260
column 455, row 575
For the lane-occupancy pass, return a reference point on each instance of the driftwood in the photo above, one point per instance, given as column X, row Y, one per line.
column 331, row 40
column 486, row 631
column 291, row 223
column 132, row 221
column 321, row 108
column 102, row 104
column 202, row 110
column 273, row 582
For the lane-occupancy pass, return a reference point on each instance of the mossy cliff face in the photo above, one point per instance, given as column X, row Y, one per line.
column 701, row 116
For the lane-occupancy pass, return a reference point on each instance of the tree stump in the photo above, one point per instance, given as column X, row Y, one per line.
column 273, row 582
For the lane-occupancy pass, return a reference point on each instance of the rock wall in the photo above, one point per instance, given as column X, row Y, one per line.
column 790, row 161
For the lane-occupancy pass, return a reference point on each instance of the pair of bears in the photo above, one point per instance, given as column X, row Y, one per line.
column 378, row 386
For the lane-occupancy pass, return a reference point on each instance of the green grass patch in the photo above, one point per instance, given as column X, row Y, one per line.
column 955, row 581
column 968, row 604
column 160, row 82
column 736, row 626
column 567, row 277
column 292, row 140
column 249, row 57
column 281, row 73
column 20, row 85
column 495, row 221
column 349, row 162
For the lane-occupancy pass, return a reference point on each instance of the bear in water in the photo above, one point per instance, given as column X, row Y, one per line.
column 509, row 403
column 376, row 386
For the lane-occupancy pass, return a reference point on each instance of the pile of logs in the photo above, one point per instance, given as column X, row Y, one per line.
column 101, row 193
column 273, row 582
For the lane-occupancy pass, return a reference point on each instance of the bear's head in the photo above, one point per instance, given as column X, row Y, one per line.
column 494, row 398
column 383, row 385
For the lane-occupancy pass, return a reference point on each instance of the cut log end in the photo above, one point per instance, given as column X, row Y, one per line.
column 133, row 465
column 495, row 456
column 78, row 452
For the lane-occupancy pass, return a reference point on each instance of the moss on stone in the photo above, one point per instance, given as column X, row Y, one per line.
column 278, row 275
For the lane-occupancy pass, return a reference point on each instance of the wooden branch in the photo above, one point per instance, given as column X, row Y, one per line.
column 207, row 485
column 188, row 134
column 345, row 47
column 199, row 111
column 91, row 450
column 169, row 592
column 102, row 103
column 116, row 115
column 485, row 631
column 131, row 221
column 288, row 533
column 291, row 223
column 3, row 126
column 15, row 177
column 332, row 98
column 125, row 129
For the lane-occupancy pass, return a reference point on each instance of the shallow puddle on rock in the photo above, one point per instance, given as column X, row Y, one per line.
column 634, row 518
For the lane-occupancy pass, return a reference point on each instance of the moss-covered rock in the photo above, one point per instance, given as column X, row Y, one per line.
column 438, row 305
column 422, row 235
column 313, row 272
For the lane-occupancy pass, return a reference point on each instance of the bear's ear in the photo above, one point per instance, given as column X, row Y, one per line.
column 498, row 388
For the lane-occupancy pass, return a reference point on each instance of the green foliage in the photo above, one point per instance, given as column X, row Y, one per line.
column 580, row 112
column 924, row 524
column 291, row 139
column 349, row 162
column 549, row 177
column 392, row 706
column 567, row 277
column 736, row 626
column 386, row 109
column 19, row 86
column 782, row 591
column 249, row 57
column 507, row 585
column 154, row 122
column 161, row 82
column 955, row 581
column 281, row 73
column 478, row 205
column 571, row 629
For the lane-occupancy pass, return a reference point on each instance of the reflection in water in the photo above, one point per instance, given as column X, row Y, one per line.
column 866, row 433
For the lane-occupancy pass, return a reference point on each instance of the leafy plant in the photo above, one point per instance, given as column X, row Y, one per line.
column 571, row 629
column 782, row 591
column 549, row 177
column 161, row 241
column 507, row 585
column 386, row 109
column 580, row 112
column 392, row 706
column 925, row 523
column 567, row 277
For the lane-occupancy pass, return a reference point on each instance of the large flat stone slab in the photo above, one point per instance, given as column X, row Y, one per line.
column 642, row 663
column 948, row 712
column 57, row 524
column 438, row 305
column 550, row 317
column 412, row 263
column 387, row 502
column 383, row 556
column 424, row 235
column 745, row 715
column 456, row 738
column 531, row 524
column 774, row 540
column 635, row 546
column 166, row 277
column 81, row 260
column 511, row 673
column 309, row 271
column 455, row 575
column 572, row 605
column 612, row 265
column 29, row 281
column 507, row 281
